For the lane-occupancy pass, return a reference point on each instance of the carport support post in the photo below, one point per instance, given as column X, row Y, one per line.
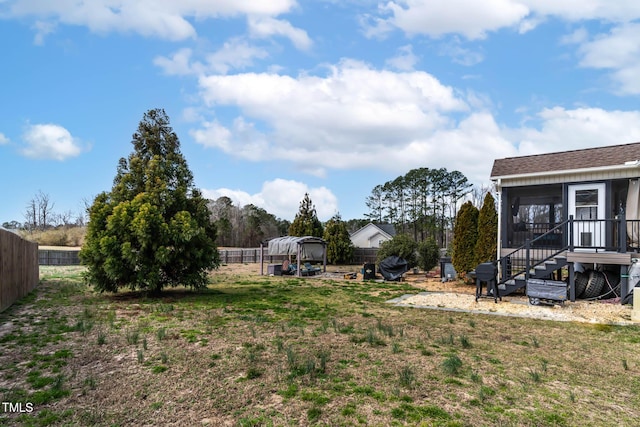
column 261, row 261
column 324, row 257
column 299, row 269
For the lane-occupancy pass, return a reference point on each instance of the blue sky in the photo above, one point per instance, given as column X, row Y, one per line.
column 274, row 99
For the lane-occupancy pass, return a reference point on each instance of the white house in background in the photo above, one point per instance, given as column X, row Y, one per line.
column 372, row 235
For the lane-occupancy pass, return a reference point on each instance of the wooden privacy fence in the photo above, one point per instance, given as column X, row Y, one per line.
column 227, row 256
column 19, row 272
column 252, row 255
column 58, row 257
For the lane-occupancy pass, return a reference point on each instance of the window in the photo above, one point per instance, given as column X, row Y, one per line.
column 587, row 204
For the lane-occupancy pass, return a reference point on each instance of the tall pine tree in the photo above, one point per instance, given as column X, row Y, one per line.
column 306, row 222
column 153, row 229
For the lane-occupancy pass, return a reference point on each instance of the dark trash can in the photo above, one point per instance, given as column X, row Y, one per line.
column 369, row 272
column 447, row 272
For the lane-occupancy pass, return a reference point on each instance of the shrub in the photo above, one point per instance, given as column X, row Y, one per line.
column 428, row 254
column 465, row 236
column 486, row 245
column 339, row 246
column 403, row 246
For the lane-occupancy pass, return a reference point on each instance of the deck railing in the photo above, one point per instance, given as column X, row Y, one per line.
column 599, row 235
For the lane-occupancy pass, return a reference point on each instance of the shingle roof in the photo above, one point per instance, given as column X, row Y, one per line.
column 612, row 155
column 387, row 228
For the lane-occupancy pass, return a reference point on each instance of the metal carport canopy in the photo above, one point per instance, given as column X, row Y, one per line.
column 311, row 248
column 304, row 248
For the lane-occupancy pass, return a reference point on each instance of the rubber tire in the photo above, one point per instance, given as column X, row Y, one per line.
column 613, row 279
column 594, row 285
column 580, row 281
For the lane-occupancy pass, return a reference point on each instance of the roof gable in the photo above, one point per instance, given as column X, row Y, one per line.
column 372, row 229
column 613, row 155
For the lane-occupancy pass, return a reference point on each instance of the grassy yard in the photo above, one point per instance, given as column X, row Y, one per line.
column 266, row 351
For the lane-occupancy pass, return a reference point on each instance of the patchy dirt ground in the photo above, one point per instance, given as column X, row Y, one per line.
column 217, row 358
column 432, row 293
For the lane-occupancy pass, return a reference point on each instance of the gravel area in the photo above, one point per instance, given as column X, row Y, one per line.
column 432, row 293
column 454, row 296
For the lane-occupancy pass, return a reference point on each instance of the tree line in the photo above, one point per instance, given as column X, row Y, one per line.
column 422, row 203
column 245, row 226
column 39, row 215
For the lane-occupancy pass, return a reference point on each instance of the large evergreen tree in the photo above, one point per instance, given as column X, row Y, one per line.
column 339, row 246
column 465, row 236
column 153, row 229
column 486, row 246
column 306, row 222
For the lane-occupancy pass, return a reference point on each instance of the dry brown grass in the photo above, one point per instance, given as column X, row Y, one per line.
column 282, row 351
column 62, row 236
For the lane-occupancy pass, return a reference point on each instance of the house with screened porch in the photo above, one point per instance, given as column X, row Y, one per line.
column 570, row 216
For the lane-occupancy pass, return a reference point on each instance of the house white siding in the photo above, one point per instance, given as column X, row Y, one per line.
column 369, row 236
column 577, row 177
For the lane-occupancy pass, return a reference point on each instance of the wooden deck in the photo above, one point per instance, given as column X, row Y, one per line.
column 585, row 257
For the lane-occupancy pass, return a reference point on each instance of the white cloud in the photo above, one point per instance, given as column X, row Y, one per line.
column 529, row 24
column 619, row 52
column 234, row 54
column 357, row 117
column 405, row 60
column 179, row 63
column 459, row 54
column 282, row 198
column 167, row 19
column 470, row 18
column 3, row 139
column 582, row 10
column 560, row 129
column 43, row 29
column 266, row 26
column 50, row 141
column 350, row 118
column 473, row 19
column 578, row 36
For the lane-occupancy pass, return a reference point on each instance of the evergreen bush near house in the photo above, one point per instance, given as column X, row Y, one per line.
column 306, row 222
column 465, row 237
column 401, row 245
column 152, row 230
column 428, row 254
column 486, row 246
column 339, row 246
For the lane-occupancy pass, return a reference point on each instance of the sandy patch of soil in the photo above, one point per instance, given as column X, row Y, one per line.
column 432, row 293
column 456, row 296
